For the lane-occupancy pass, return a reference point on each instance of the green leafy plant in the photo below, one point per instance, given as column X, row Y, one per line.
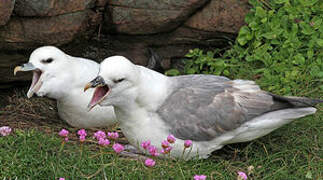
column 281, row 48
column 283, row 43
column 198, row 62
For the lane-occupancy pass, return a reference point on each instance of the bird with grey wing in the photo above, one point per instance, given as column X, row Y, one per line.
column 210, row 110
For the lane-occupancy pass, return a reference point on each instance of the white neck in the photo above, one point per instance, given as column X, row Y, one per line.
column 153, row 88
column 138, row 115
column 74, row 81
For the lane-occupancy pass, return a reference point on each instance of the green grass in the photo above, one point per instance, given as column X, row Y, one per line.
column 290, row 152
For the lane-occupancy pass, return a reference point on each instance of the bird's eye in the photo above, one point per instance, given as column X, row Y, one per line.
column 46, row 61
column 118, row 80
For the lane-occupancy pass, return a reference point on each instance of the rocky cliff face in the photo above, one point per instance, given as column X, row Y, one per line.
column 6, row 7
column 100, row 28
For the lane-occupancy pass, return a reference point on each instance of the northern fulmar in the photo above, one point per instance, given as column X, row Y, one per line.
column 210, row 110
column 62, row 77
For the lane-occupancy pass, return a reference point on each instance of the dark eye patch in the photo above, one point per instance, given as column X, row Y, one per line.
column 46, row 61
column 118, row 80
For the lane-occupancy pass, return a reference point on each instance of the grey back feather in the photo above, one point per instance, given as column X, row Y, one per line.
column 202, row 107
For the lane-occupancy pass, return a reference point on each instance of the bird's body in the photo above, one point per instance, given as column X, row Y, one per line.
column 212, row 111
column 63, row 78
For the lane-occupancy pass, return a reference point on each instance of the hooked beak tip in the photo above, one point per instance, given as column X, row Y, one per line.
column 87, row 86
column 18, row 68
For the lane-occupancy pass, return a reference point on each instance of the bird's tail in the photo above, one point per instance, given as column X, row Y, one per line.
column 298, row 101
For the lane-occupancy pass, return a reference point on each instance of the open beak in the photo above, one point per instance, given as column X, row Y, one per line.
column 24, row 67
column 36, row 83
column 100, row 92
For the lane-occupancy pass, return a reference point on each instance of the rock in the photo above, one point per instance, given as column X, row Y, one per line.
column 51, row 7
column 26, row 33
column 220, row 16
column 148, row 17
column 130, row 27
column 169, row 46
column 101, row 3
column 6, row 7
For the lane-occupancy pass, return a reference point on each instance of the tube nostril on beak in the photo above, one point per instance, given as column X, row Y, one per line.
column 98, row 81
column 87, row 86
column 25, row 67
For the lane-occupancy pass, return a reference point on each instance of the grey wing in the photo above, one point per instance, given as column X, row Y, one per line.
column 203, row 111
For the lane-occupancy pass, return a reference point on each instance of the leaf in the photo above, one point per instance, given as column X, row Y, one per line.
column 188, row 62
column 307, row 31
column 275, row 41
column 299, row 59
column 256, row 44
column 270, row 35
column 19, row 132
column 210, row 54
column 250, row 58
column 275, row 22
column 306, row 28
column 294, row 29
column 310, row 53
column 267, row 74
column 308, row 2
column 253, row 2
column 226, row 73
column 308, row 175
column 315, row 71
column 281, row 1
column 320, row 74
column 244, row 35
column 320, row 42
column 319, row 60
column 189, row 55
column 260, row 12
column 316, row 22
column 264, row 20
column 191, row 71
column 172, row 72
column 253, row 25
column 294, row 73
column 261, row 70
column 249, row 17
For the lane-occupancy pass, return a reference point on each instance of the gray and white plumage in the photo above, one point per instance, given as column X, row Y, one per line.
column 62, row 77
column 210, row 110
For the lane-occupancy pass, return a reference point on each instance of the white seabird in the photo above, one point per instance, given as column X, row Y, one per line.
column 63, row 77
column 212, row 111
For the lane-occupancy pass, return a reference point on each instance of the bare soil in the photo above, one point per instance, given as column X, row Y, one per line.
column 19, row 112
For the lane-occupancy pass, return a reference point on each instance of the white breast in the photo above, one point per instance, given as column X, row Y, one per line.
column 73, row 109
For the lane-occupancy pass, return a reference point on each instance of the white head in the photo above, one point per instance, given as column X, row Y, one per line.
column 50, row 71
column 116, row 83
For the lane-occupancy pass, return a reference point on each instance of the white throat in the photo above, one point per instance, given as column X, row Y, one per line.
column 151, row 91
